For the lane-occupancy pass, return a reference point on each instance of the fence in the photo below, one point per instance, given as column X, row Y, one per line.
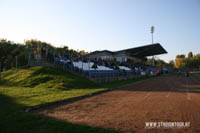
column 99, row 76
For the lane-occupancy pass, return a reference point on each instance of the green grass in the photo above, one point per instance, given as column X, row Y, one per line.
column 196, row 72
column 41, row 85
column 23, row 88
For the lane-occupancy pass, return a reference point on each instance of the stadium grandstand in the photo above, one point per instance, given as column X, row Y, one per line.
column 127, row 62
column 136, row 54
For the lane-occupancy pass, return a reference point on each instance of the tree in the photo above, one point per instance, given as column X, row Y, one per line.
column 171, row 63
column 82, row 52
column 192, row 61
column 179, row 62
column 180, row 56
column 8, row 53
column 190, row 55
column 160, row 63
column 45, row 49
column 10, row 50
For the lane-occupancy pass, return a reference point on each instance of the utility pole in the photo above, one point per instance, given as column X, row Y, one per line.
column 152, row 31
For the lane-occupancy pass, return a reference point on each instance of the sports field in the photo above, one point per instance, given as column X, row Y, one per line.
column 173, row 98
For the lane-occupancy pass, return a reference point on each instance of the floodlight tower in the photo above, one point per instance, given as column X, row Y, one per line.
column 152, row 31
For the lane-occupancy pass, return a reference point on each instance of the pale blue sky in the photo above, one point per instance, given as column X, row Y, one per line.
column 104, row 24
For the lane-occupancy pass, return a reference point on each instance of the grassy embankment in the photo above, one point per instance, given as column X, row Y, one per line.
column 23, row 88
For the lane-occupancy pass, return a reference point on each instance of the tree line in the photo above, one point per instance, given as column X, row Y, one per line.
column 181, row 61
column 191, row 61
column 12, row 54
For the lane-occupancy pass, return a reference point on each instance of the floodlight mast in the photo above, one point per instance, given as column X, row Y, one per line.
column 152, row 31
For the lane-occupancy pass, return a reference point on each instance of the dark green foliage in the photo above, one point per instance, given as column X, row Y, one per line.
column 8, row 53
column 180, row 56
column 10, row 50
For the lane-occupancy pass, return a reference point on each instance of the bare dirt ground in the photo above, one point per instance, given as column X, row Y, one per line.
column 172, row 98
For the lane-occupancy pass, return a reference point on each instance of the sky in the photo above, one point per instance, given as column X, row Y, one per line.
column 104, row 24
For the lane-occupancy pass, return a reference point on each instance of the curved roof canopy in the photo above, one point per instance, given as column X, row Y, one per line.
column 139, row 52
column 147, row 50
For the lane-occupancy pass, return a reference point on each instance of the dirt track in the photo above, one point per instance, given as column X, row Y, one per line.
column 165, row 99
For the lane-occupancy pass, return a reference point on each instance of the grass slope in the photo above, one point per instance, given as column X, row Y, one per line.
column 23, row 88
column 40, row 85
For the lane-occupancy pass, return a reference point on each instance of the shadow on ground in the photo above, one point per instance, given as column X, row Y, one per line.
column 15, row 120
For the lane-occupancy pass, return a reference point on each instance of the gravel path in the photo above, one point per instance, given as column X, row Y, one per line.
column 172, row 98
